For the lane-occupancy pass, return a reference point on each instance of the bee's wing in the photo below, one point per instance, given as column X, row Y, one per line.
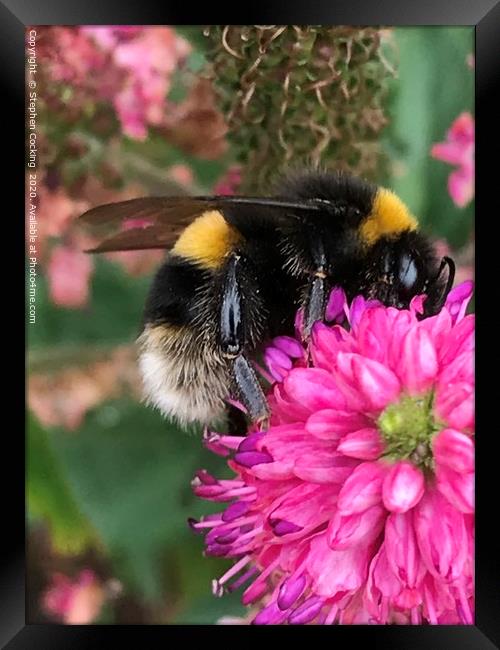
column 156, row 222
column 137, row 224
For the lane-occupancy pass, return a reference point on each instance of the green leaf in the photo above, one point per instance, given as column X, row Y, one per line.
column 50, row 497
column 194, row 34
column 433, row 86
column 207, row 610
column 196, row 61
column 131, row 474
column 113, row 315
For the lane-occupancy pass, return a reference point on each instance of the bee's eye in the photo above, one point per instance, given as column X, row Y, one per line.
column 407, row 272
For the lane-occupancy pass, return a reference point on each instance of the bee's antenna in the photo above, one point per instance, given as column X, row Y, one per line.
column 445, row 262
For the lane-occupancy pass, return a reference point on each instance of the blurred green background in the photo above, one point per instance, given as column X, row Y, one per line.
column 108, row 480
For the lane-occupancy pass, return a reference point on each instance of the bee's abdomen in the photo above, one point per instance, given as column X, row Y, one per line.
column 173, row 295
column 183, row 374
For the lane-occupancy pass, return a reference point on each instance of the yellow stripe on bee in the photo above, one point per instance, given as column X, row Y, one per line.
column 207, row 240
column 389, row 216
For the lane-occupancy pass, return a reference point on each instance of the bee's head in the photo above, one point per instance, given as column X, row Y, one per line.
column 325, row 238
column 400, row 268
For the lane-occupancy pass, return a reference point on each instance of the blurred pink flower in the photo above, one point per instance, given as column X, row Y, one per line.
column 137, row 262
column 149, row 56
column 464, row 259
column 356, row 505
column 74, row 602
column 229, row 183
column 55, row 213
column 127, row 66
column 182, row 174
column 458, row 149
column 68, row 273
column 109, row 37
column 133, row 262
column 72, row 57
column 62, row 397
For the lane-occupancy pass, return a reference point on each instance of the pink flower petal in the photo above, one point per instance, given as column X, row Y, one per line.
column 457, row 488
column 306, row 505
column 418, row 365
column 313, row 388
column 455, row 405
column 401, row 322
column 270, row 615
column 460, row 370
column 287, row 409
column 438, row 328
column 461, row 186
column 290, row 591
column 407, row 599
column 362, row 489
column 378, row 384
column 455, row 450
column 289, row 346
column 403, row 487
column 345, row 531
column 356, row 309
column 365, row 444
column 69, row 275
column 372, row 334
column 335, row 305
column 329, row 424
column 324, row 467
column 277, row 357
column 441, row 536
column 402, row 551
column 346, row 382
column 382, row 585
column 460, row 339
column 448, row 152
column 458, row 299
column 327, row 343
column 307, row 611
column 462, row 129
column 336, row 572
column 277, row 471
column 459, row 150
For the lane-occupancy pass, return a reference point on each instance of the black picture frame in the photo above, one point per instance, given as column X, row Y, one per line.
column 484, row 15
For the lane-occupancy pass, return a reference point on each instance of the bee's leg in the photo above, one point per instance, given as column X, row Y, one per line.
column 315, row 302
column 250, row 390
column 235, row 313
column 237, row 424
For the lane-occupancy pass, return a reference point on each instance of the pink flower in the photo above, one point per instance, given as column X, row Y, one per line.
column 356, row 505
column 150, row 59
column 459, row 150
column 69, row 274
column 229, row 183
column 463, row 259
column 74, row 602
column 181, row 173
column 56, row 210
column 141, row 61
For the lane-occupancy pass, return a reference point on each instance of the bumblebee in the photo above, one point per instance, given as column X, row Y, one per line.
column 239, row 268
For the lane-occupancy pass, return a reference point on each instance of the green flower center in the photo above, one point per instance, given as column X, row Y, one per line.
column 408, row 427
